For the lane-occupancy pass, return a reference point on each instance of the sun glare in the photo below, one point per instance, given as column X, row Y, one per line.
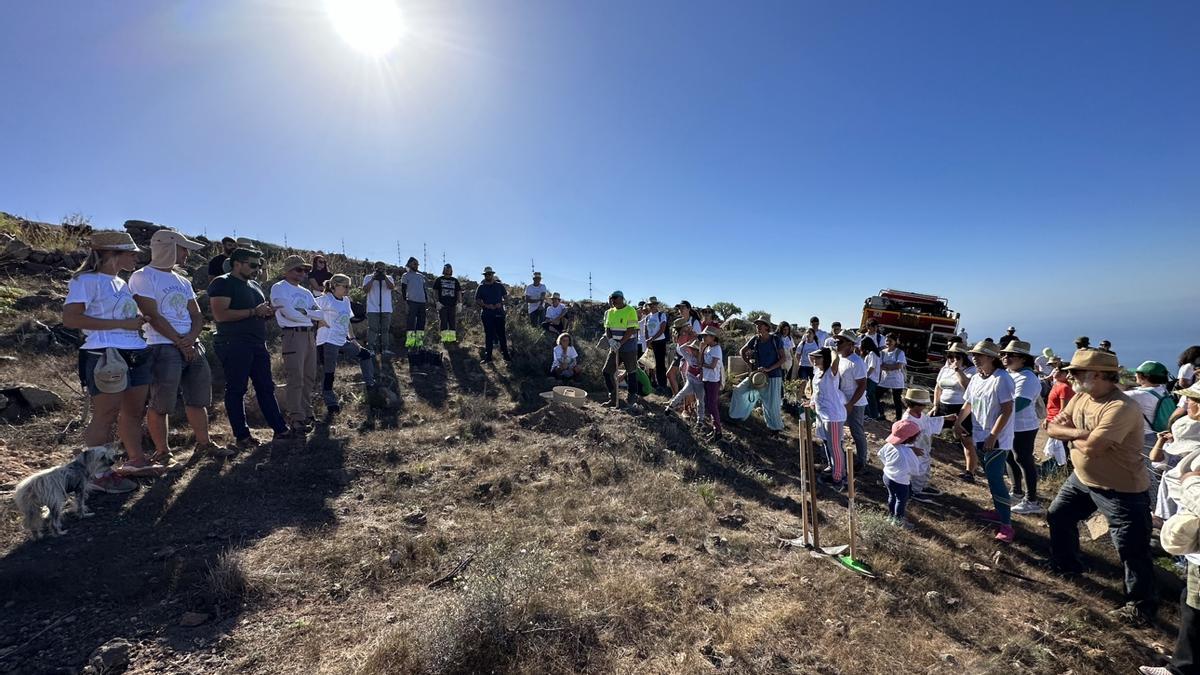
column 373, row 27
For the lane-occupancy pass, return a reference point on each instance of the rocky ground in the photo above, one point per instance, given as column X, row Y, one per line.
column 469, row 527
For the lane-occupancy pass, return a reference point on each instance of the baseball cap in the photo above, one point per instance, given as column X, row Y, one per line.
column 617, row 294
column 1153, row 368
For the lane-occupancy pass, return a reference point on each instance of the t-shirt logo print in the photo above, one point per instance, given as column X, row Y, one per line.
column 342, row 321
column 175, row 302
column 127, row 308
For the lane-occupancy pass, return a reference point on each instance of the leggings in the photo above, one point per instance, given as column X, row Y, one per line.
column 993, row 462
column 897, row 498
column 831, row 433
column 1022, row 463
column 897, row 402
column 872, row 399
column 712, row 407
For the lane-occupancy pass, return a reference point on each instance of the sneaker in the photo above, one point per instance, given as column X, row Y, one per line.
column 112, row 483
column 930, row 491
column 1129, row 614
column 246, row 443
column 1006, row 534
column 1154, row 670
column 967, row 477
column 1026, row 507
column 989, row 515
column 1017, row 495
column 213, row 450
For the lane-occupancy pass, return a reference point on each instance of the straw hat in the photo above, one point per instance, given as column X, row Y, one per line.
column 758, row 379
column 294, row 262
column 567, row 395
column 844, row 335
column 985, row 347
column 765, row 322
column 902, row 431
column 694, row 344
column 113, row 241
column 1180, row 535
column 1192, row 392
column 1094, row 359
column 918, row 395
column 711, row 330
column 1017, row 347
column 956, row 348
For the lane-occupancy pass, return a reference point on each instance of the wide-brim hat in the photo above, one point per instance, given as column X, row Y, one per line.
column 679, row 323
column 295, row 262
column 918, row 395
column 652, row 301
column 765, row 322
column 165, row 237
column 488, row 270
column 113, row 241
column 957, row 348
column 1094, row 359
column 711, row 330
column 568, row 395
column 339, row 280
column 1192, row 392
column 1016, row 347
column 985, row 347
column 694, row 344
column 844, row 336
column 758, row 379
column 902, row 431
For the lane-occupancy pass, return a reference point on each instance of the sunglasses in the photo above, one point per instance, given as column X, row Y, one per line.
column 253, row 265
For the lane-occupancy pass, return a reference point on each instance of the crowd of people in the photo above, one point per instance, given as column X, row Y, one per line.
column 1129, row 449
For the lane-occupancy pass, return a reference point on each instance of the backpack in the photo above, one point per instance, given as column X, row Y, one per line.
column 775, row 340
column 1162, row 412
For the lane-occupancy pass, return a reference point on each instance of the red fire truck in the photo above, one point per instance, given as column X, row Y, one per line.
column 923, row 322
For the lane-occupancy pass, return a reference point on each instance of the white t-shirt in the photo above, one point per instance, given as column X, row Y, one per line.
column 642, row 331
column 820, row 336
column 952, row 391
column 375, row 303
column 830, row 341
column 1147, row 398
column 851, row 369
column 565, row 360
column 986, row 395
column 929, row 425
column 533, row 294
column 553, row 312
column 173, row 295
column 294, row 305
column 873, row 362
column 712, row 374
column 1043, row 365
column 893, row 379
column 414, row 285
column 899, row 463
column 1187, row 373
column 828, row 396
column 336, row 314
column 105, row 296
column 653, row 321
column 1026, row 385
column 803, row 349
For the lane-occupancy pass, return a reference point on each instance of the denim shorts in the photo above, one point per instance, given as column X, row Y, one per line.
column 141, row 367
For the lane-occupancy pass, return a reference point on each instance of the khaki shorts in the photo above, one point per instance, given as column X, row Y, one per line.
column 172, row 374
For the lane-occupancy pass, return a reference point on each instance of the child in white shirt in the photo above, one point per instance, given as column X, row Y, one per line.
column 917, row 402
column 829, row 403
column 900, row 464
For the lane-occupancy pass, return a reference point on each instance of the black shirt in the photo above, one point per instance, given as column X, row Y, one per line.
column 216, row 266
column 242, row 295
column 447, row 289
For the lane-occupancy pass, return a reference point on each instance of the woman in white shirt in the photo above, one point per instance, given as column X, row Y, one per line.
column 712, row 372
column 869, row 351
column 893, row 364
column 566, row 359
column 829, row 403
column 952, row 381
column 805, row 346
column 100, row 304
column 989, row 404
column 784, row 331
column 1027, row 389
column 335, row 339
column 1189, row 360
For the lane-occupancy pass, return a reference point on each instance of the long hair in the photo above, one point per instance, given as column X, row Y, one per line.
column 93, row 262
column 782, row 325
column 1190, row 355
column 868, row 345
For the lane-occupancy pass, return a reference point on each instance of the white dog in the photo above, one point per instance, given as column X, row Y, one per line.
column 41, row 497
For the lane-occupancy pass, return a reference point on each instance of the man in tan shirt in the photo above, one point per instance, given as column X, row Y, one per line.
column 1104, row 429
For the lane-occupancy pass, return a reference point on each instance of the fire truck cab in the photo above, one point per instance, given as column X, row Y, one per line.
column 923, row 322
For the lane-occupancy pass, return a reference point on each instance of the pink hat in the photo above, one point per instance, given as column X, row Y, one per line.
column 902, row 431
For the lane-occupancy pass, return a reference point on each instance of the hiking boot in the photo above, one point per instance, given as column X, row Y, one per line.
column 112, row 484
column 1129, row 614
column 1026, row 507
column 246, row 443
column 213, row 450
column 1006, row 534
column 967, row 477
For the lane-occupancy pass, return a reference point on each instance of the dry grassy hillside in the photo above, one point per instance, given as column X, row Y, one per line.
column 474, row 529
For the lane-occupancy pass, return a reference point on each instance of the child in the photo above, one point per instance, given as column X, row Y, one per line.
column 900, row 465
column 712, row 372
column 829, row 403
column 334, row 338
column 691, row 396
column 917, row 400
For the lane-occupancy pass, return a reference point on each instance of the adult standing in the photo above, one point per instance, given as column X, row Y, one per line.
column 114, row 359
column 989, row 404
column 690, row 315
column 852, row 380
column 621, row 329
column 535, row 299
column 868, row 349
column 319, row 274
column 216, row 265
column 1027, row 393
column 765, row 353
column 657, row 331
column 490, row 297
column 712, row 373
column 335, row 339
column 893, row 364
column 1104, row 429
column 378, row 287
column 240, row 310
column 1150, row 393
column 814, row 323
column 872, row 331
column 297, row 314
column 169, row 304
column 950, row 394
column 1009, row 336
column 448, row 291
column 1106, row 346
column 416, row 295
column 1083, row 342
column 784, row 331
column 835, row 329
column 805, row 346
column 1042, row 362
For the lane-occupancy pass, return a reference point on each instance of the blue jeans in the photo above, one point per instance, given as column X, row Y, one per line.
column 897, row 498
column 745, row 397
column 1128, row 516
column 994, row 463
column 854, row 422
column 251, row 361
column 872, row 399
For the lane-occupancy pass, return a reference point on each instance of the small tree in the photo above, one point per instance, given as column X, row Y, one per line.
column 726, row 310
column 754, row 314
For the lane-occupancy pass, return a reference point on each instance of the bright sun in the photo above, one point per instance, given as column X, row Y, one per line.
column 373, row 27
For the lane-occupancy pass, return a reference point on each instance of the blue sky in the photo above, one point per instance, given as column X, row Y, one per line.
column 1038, row 163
